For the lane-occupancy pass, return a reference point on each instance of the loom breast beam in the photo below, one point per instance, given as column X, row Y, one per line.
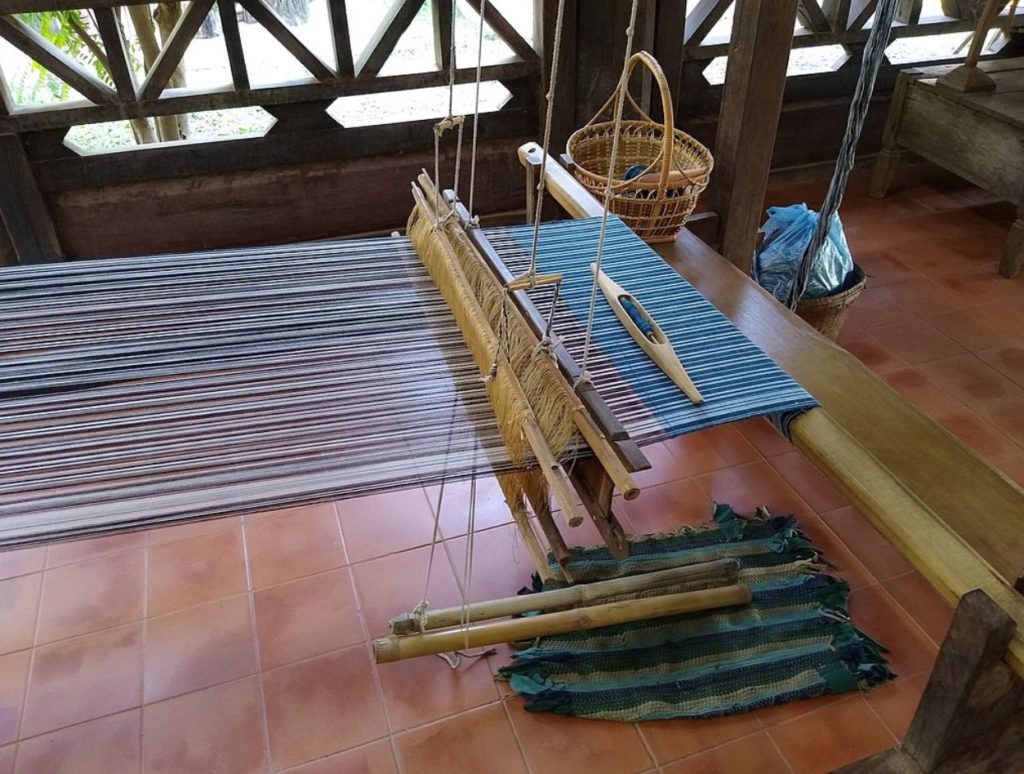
column 647, row 334
column 601, row 419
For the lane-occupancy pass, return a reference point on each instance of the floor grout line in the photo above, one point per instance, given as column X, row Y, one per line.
column 254, row 633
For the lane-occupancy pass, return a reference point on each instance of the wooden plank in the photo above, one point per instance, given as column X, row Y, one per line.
column 341, row 38
column 280, row 31
column 191, row 159
column 187, row 101
column 22, row 208
column 704, row 15
column 441, row 14
column 838, row 14
column 860, row 12
column 35, row 6
column 504, row 30
column 233, row 44
column 813, row 18
column 971, row 693
column 909, row 11
column 114, row 47
column 163, row 68
column 383, row 41
column 669, row 30
column 6, row 98
column 748, row 120
column 301, row 117
column 36, row 47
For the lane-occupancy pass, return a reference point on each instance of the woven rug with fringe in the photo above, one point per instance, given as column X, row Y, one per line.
column 793, row 641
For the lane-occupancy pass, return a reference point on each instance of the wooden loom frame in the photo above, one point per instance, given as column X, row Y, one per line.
column 972, row 706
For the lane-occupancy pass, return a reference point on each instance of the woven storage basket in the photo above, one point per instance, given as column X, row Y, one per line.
column 657, row 202
column 827, row 313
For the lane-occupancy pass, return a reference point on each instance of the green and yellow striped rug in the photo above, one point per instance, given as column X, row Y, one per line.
column 793, row 641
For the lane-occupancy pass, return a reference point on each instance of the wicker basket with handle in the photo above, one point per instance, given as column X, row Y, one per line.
column 657, row 201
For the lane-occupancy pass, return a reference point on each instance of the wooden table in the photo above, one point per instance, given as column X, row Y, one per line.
column 978, row 136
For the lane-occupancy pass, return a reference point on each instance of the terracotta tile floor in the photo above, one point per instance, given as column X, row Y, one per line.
column 241, row 645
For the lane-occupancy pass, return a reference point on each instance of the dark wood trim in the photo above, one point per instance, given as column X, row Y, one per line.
column 383, row 41
column 233, row 44
column 669, row 29
column 564, row 120
column 970, row 716
column 189, row 159
column 704, row 15
column 908, row 11
column 23, row 210
column 441, row 11
column 813, row 18
column 280, row 31
column 36, row 47
column 838, row 14
column 749, row 118
column 301, row 117
column 341, row 38
column 6, row 98
column 186, row 101
column 114, row 46
column 504, row 30
column 170, row 57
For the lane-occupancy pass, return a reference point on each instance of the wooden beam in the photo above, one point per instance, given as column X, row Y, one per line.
column 838, row 14
column 704, row 15
column 669, row 30
column 383, row 41
column 163, row 68
column 280, row 31
column 504, row 30
column 441, row 17
column 860, row 12
column 114, row 47
column 564, row 119
column 233, row 43
column 909, row 11
column 812, row 18
column 36, row 47
column 6, row 98
column 23, row 210
column 754, row 83
column 341, row 38
column 971, row 694
column 187, row 101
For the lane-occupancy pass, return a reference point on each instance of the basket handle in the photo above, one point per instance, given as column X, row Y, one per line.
column 648, row 60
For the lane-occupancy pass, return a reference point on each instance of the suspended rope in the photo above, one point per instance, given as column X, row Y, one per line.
column 450, row 121
column 616, row 134
column 556, row 48
column 874, row 52
column 476, row 111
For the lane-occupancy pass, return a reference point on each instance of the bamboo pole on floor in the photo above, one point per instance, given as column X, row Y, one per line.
column 397, row 648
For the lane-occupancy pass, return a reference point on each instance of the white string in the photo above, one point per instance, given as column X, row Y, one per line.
column 541, row 184
column 619, row 106
column 476, row 108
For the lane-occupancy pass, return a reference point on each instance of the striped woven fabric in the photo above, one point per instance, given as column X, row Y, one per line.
column 793, row 641
column 735, row 377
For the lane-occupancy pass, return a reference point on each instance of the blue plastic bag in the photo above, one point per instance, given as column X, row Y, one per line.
column 787, row 233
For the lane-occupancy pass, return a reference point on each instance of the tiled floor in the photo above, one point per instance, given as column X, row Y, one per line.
column 241, row 645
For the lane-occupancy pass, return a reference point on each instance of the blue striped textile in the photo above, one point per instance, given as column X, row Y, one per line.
column 735, row 377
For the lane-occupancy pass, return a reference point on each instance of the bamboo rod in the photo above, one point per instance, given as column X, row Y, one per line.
column 395, row 648
column 724, row 570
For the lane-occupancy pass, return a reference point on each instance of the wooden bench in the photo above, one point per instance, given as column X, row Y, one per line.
column 959, row 521
column 979, row 136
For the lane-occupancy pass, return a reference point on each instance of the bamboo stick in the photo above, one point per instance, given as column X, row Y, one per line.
column 395, row 648
column 723, row 570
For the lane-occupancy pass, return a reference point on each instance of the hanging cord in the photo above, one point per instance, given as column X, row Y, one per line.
column 617, row 131
column 556, row 47
column 874, row 52
column 476, row 111
column 420, row 611
column 449, row 122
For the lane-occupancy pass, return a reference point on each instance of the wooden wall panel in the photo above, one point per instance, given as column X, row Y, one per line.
column 274, row 205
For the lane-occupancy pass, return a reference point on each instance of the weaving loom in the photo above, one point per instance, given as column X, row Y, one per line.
column 176, row 387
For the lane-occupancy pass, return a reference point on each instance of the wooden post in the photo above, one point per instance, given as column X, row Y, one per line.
column 669, row 32
column 889, row 157
column 755, row 79
column 970, row 713
column 564, row 120
column 22, row 207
